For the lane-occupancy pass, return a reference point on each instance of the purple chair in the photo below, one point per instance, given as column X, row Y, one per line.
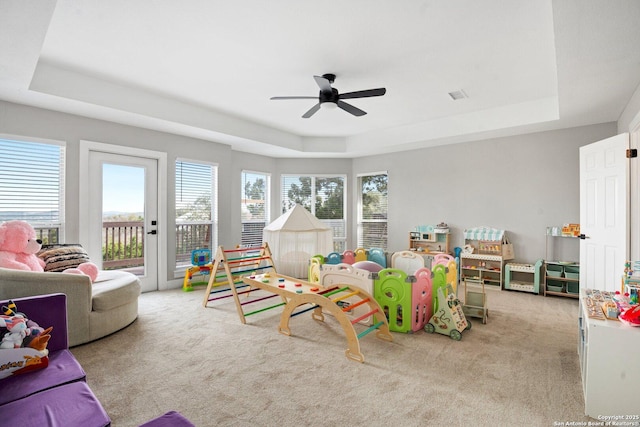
column 58, row 393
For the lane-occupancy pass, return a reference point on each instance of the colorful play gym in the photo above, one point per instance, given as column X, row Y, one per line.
column 414, row 291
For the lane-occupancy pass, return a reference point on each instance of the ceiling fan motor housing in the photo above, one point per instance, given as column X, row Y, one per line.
column 326, row 96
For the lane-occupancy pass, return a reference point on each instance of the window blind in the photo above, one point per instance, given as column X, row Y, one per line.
column 195, row 206
column 372, row 211
column 254, row 206
column 32, row 185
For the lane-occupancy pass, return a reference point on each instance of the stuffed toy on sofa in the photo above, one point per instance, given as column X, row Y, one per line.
column 19, row 246
column 23, row 343
column 20, row 250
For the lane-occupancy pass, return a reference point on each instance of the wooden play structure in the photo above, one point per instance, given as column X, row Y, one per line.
column 229, row 267
column 239, row 271
column 346, row 274
column 296, row 293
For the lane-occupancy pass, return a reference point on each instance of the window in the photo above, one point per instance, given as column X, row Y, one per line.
column 196, row 211
column 324, row 197
column 255, row 206
column 372, row 211
column 32, row 186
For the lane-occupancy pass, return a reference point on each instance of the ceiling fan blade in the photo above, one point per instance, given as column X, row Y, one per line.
column 323, row 83
column 311, row 111
column 351, row 109
column 293, row 97
column 363, row 93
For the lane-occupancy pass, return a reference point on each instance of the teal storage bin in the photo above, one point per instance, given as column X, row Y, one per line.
column 573, row 287
column 572, row 272
column 555, row 285
column 555, row 270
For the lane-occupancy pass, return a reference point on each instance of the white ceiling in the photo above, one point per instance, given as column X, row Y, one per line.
column 207, row 68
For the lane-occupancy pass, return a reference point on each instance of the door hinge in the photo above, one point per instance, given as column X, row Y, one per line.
column 632, row 153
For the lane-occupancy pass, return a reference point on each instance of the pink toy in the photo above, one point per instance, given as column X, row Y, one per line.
column 370, row 266
column 18, row 247
column 86, row 268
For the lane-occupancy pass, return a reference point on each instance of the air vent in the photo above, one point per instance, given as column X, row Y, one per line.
column 458, row 94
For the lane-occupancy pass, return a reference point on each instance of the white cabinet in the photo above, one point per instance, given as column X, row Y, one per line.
column 608, row 353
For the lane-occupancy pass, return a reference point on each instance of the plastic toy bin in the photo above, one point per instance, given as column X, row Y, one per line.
column 555, row 270
column 572, row 272
column 573, row 287
column 555, row 286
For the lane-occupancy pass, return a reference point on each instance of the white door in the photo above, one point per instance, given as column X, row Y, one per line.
column 604, row 212
column 123, row 214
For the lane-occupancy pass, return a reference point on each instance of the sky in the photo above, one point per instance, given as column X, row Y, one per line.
column 123, row 188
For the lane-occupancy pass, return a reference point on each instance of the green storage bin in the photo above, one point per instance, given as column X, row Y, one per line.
column 573, row 287
column 572, row 272
column 555, row 286
column 555, row 270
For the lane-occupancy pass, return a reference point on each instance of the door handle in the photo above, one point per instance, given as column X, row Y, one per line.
column 153, row 232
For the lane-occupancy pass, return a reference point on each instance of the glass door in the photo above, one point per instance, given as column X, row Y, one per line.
column 123, row 215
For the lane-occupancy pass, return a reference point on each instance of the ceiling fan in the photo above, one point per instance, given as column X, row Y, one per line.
column 330, row 98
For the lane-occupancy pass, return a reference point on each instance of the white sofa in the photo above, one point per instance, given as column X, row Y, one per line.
column 94, row 310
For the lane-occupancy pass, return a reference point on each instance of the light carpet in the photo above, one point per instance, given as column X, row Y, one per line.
column 520, row 368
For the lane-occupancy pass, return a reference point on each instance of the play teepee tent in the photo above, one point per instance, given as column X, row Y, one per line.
column 294, row 238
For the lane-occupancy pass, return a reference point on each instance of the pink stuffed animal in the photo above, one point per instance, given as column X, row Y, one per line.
column 86, row 268
column 18, row 247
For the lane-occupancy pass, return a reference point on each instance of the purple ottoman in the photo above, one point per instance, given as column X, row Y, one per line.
column 170, row 419
column 69, row 405
column 63, row 369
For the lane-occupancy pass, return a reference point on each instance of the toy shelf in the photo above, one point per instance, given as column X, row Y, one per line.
column 427, row 243
column 477, row 269
column 523, row 277
column 483, row 258
column 561, row 278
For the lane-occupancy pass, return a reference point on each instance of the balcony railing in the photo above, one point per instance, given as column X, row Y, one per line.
column 123, row 242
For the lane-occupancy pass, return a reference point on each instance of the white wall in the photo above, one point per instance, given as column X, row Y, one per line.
column 521, row 184
column 16, row 119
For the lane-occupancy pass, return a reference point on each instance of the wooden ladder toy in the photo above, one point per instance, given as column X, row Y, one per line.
column 296, row 293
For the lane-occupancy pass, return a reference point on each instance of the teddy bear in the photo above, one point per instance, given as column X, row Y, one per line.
column 19, row 246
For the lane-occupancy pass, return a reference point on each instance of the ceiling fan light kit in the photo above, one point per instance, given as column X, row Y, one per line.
column 330, row 98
